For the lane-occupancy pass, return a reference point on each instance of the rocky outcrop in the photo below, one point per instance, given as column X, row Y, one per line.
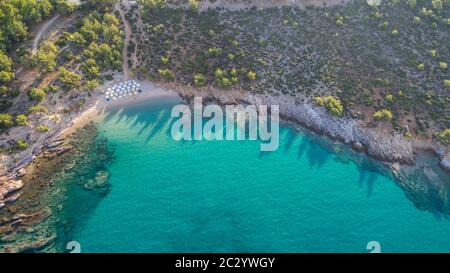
column 389, row 148
column 9, row 190
column 377, row 144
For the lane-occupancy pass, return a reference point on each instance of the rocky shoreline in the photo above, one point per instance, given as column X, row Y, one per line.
column 388, row 148
column 38, row 222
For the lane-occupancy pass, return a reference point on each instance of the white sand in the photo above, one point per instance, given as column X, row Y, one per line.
column 149, row 92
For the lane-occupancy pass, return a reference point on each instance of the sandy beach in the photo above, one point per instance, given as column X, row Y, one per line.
column 150, row 91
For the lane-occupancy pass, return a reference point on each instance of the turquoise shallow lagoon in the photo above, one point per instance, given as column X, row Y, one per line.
column 222, row 196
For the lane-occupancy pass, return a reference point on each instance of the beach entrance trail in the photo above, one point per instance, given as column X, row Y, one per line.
column 41, row 31
column 128, row 37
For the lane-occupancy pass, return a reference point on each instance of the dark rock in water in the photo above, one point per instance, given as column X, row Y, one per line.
column 89, row 185
column 101, row 178
column 445, row 163
column 99, row 183
column 357, row 146
column 70, row 166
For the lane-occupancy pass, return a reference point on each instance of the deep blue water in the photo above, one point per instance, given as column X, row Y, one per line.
column 227, row 196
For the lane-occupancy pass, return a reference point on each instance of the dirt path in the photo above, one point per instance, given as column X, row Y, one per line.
column 41, row 31
column 127, row 28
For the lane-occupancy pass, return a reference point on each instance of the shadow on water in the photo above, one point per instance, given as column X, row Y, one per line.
column 425, row 183
column 138, row 116
column 289, row 140
column 367, row 178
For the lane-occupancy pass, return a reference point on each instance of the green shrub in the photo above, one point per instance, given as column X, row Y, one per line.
column 333, row 105
column 433, row 53
column 251, row 76
column 166, row 74
column 165, row 59
column 69, row 79
column 193, row 4
column 199, row 80
column 224, row 83
column 37, row 94
column 447, row 83
column 383, row 114
column 45, row 57
column 21, row 144
column 214, row 52
column 38, row 109
column 6, row 120
column 219, row 73
column 42, row 128
column 90, row 85
column 233, row 72
column 21, row 120
column 389, row 97
column 444, row 136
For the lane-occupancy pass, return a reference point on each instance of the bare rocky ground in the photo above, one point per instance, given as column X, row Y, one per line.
column 261, row 4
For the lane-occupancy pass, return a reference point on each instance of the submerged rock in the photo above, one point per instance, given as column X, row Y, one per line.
column 101, row 178
column 100, row 182
column 445, row 163
column 357, row 146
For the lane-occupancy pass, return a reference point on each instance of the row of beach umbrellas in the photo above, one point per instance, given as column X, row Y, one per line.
column 123, row 89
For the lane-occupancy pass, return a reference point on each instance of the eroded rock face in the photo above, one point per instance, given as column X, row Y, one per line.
column 9, row 190
column 38, row 221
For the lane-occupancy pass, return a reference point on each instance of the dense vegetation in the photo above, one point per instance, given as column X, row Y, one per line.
column 386, row 63
column 79, row 55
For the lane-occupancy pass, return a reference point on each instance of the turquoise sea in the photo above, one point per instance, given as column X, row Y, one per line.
column 227, row 196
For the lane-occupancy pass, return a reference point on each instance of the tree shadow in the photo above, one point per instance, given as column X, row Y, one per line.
column 368, row 178
column 317, row 156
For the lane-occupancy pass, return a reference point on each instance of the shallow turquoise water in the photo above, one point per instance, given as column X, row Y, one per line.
column 222, row 196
